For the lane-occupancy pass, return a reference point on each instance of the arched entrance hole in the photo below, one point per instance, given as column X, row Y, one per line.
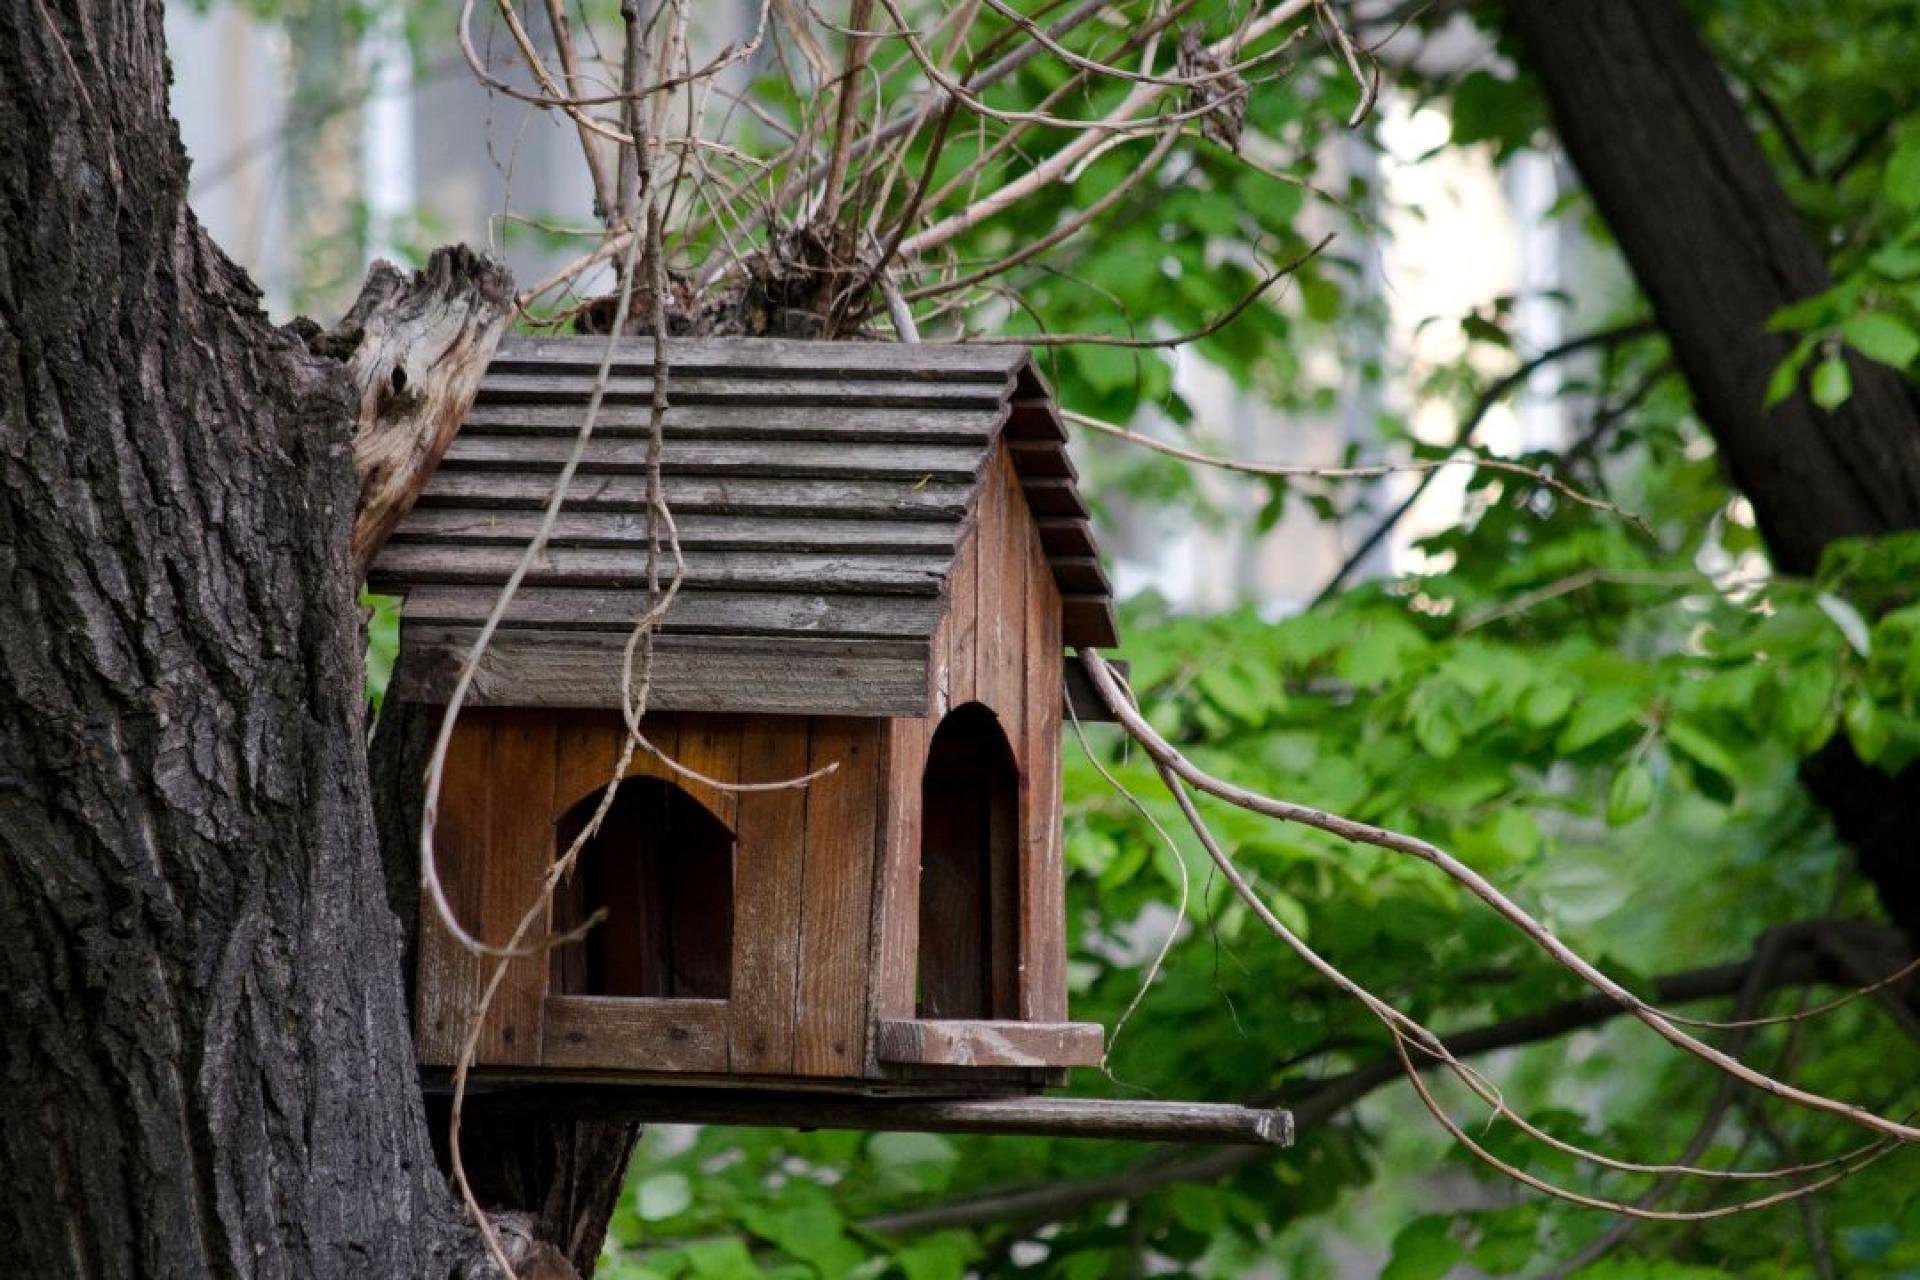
column 970, row 871
column 661, row 866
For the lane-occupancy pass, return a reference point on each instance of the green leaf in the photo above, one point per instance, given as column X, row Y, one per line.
column 662, row 1196
column 1198, row 1208
column 808, row 1227
column 1808, row 313
column 944, row 1255
column 1436, row 720
column 1832, row 383
column 1805, row 706
column 721, row 1260
column 1868, row 727
column 1107, row 369
column 1424, row 1250
column 1882, row 337
column 1583, row 886
column 1702, row 748
column 1480, row 329
column 1897, row 261
column 920, row 1162
column 1631, row 794
column 1600, row 716
column 1902, row 179
column 1545, row 705
column 1786, row 377
column 1488, row 109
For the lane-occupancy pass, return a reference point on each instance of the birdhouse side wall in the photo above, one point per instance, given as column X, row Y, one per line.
column 1000, row 646
column 804, row 857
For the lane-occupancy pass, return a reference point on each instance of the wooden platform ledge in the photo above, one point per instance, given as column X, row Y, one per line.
column 955, row 1043
column 1122, row 1119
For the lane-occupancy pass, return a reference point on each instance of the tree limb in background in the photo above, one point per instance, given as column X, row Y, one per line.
column 1803, row 960
column 1177, row 765
column 1358, row 471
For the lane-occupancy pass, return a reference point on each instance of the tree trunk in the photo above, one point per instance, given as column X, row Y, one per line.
column 206, row 1061
column 1715, row 244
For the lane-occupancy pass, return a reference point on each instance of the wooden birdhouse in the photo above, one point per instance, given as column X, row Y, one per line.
column 886, row 560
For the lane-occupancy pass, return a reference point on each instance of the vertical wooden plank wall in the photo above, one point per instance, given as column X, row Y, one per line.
column 1043, row 905
column 769, row 864
column 831, row 1019
column 1000, row 683
column 519, row 853
column 448, row 981
column 492, row 843
column 894, row 958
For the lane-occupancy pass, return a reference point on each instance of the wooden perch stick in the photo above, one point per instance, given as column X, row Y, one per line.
column 1125, row 1119
column 417, row 346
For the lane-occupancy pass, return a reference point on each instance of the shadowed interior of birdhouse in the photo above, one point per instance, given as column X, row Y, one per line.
column 969, row 871
column 661, row 867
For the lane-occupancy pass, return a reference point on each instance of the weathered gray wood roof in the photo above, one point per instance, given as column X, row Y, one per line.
column 820, row 491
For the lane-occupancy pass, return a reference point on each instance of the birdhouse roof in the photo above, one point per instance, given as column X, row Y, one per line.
column 820, row 491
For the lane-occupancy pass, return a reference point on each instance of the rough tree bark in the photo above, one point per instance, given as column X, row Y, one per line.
column 1717, row 247
column 206, row 1060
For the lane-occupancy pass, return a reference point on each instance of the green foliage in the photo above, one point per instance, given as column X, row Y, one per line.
column 383, row 643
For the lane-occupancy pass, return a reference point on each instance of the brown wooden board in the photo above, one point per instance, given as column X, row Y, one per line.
column 519, row 852
column 561, row 418
column 770, row 863
column 1083, row 701
column 738, row 613
column 635, row 1035
column 711, row 745
column 787, row 460
column 897, row 901
column 685, row 388
column 846, row 572
column 1066, row 535
column 990, row 1043
column 954, row 656
column 1089, row 622
column 1043, row 889
column 1049, row 496
column 1001, row 673
column 1081, row 576
column 1042, row 458
column 1034, row 418
column 830, row 1020
column 448, row 982
column 755, row 496
column 771, row 358
column 628, row 530
column 588, row 746
column 783, row 675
